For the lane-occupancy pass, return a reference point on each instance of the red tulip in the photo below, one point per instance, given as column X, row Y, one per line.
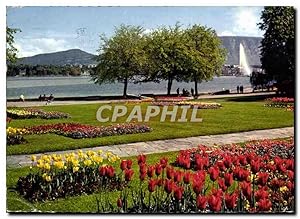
column 216, row 192
column 264, row 205
column 177, row 176
column 178, row 192
column 164, row 162
column 221, row 166
column 102, row 171
column 150, row 171
column 123, row 165
column 262, row 178
column 200, row 162
column 231, row 201
column 170, row 172
column 169, row 185
column 187, row 177
column 129, row 164
column 242, row 160
column 275, row 183
column 290, row 175
column 143, row 168
column 151, row 185
column 119, row 203
column 227, row 161
column 128, row 174
column 158, row 169
column 261, row 194
column 289, row 164
column 215, row 203
column 159, row 182
column 228, row 177
column 110, row 171
column 214, row 173
column 222, row 184
column 143, row 176
column 246, row 189
column 201, row 202
column 255, row 166
column 141, row 159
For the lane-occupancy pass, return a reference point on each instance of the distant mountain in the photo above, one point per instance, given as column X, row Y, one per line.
column 77, row 56
column 72, row 57
column 250, row 44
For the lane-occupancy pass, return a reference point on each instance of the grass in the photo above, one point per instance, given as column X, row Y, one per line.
column 234, row 116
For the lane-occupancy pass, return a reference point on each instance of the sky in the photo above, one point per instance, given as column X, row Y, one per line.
column 50, row 29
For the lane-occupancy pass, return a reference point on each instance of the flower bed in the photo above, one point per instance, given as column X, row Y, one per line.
column 170, row 98
column 15, row 136
column 258, row 177
column 34, row 113
column 59, row 176
column 78, row 131
column 199, row 105
column 281, row 102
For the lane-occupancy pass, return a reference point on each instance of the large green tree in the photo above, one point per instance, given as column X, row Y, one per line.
column 278, row 43
column 11, row 51
column 121, row 57
column 166, row 48
column 204, row 56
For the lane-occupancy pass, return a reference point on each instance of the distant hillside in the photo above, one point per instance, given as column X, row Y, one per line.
column 251, row 46
column 77, row 56
column 72, row 57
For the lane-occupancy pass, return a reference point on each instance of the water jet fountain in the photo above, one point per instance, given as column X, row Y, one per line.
column 244, row 67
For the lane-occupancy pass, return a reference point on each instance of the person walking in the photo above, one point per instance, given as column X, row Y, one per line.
column 238, row 89
column 242, row 89
column 192, row 92
column 22, row 98
column 177, row 91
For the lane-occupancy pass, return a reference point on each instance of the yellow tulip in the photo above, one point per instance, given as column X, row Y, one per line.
column 75, row 169
column 87, row 163
column 33, row 158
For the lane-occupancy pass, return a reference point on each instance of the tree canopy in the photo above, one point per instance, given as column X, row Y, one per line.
column 167, row 53
column 278, row 43
column 11, row 51
column 122, row 57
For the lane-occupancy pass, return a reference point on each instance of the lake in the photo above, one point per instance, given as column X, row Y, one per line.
column 32, row 87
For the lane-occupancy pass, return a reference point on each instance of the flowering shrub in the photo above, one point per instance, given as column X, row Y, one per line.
column 77, row 131
column 15, row 136
column 281, row 102
column 30, row 113
column 71, row 174
column 199, row 105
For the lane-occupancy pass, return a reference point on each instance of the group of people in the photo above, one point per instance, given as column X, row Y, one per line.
column 48, row 99
column 240, row 89
column 185, row 92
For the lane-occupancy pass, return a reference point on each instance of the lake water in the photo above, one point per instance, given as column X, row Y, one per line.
column 32, row 87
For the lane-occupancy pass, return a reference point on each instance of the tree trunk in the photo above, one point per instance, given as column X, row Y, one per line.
column 169, row 85
column 125, row 87
column 196, row 87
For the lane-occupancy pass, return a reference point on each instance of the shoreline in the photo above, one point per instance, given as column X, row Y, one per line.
column 118, row 99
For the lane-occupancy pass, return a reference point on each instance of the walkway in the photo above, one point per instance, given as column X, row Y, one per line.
column 151, row 147
column 72, row 102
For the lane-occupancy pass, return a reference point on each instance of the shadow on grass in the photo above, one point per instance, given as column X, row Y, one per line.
column 249, row 98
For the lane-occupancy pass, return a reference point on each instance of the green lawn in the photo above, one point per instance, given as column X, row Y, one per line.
column 234, row 116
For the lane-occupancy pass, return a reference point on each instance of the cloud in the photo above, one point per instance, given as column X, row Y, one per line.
column 33, row 46
column 243, row 22
column 226, row 33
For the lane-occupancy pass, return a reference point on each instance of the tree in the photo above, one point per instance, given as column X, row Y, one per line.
column 122, row 57
column 278, row 43
column 11, row 51
column 166, row 48
column 204, row 56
